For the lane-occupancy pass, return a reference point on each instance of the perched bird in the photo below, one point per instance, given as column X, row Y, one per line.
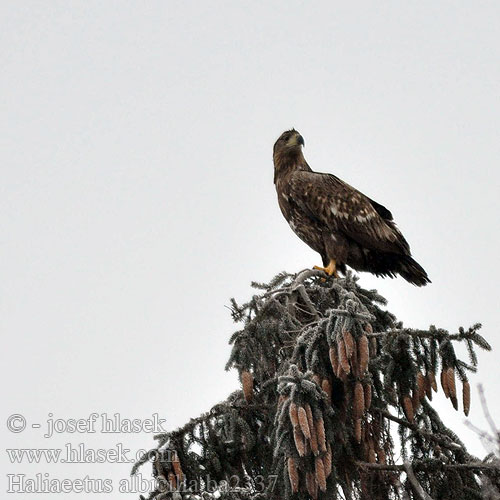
column 343, row 225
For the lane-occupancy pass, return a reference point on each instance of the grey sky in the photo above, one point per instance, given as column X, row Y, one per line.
column 137, row 195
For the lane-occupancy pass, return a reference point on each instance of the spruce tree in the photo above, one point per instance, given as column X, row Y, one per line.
column 335, row 403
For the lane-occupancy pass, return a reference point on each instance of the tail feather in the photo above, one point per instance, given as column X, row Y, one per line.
column 391, row 264
column 412, row 271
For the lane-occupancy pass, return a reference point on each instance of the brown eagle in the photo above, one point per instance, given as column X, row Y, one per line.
column 343, row 225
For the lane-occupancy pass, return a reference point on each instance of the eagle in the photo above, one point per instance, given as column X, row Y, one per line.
column 336, row 220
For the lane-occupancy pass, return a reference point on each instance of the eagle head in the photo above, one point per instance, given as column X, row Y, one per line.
column 287, row 153
column 289, row 142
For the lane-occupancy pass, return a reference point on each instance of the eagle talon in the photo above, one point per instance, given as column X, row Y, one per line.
column 331, row 269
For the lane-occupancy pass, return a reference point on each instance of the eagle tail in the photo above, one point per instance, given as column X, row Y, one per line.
column 412, row 271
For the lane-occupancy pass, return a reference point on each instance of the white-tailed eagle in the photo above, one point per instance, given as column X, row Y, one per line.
column 343, row 225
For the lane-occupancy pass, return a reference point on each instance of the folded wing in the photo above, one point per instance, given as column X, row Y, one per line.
column 341, row 207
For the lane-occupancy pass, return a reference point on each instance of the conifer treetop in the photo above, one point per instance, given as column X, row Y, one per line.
column 328, row 378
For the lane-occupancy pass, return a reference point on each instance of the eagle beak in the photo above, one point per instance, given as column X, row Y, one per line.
column 300, row 140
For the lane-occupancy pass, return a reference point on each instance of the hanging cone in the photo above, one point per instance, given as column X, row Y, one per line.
column 368, row 395
column 421, row 383
column 327, row 461
column 247, row 382
column 319, row 469
column 358, row 404
column 363, row 354
column 357, row 430
column 293, row 474
column 444, row 383
column 408, row 408
column 320, row 433
column 349, row 343
column 432, row 379
column 327, row 387
column 299, row 440
column 466, row 397
column 303, row 423
column 450, row 381
column 314, row 437
column 428, row 388
column 172, row 480
column 293, row 414
column 342, row 356
column 311, row 485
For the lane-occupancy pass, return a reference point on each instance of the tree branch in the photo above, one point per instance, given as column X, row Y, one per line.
column 438, row 438
column 479, row 466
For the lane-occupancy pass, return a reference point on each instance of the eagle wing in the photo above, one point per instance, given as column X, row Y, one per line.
column 336, row 204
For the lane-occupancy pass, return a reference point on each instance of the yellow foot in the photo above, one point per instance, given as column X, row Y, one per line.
column 331, row 269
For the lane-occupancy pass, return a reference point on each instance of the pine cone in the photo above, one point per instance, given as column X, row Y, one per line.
column 428, row 388
column 420, row 386
column 350, row 345
column 466, row 397
column 371, row 456
column 450, row 381
column 444, row 383
column 312, row 485
column 354, row 363
column 314, row 437
column 293, row 474
column 334, row 360
column 327, row 460
column 408, row 408
column 368, row 395
column 247, row 382
column 320, row 433
column 320, row 473
column 357, row 430
column 172, row 480
column 415, row 400
column 373, row 347
column 327, row 387
column 432, row 379
column 358, row 403
column 293, row 414
column 300, row 444
column 303, row 423
column 176, row 464
column 381, row 456
column 342, row 356
column 363, row 354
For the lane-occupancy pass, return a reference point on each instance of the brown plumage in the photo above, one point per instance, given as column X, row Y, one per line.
column 343, row 225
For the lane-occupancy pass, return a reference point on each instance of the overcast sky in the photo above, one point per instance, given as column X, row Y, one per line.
column 137, row 196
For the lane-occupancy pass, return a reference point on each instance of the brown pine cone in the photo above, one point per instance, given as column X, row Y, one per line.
column 342, row 357
column 358, row 403
column 363, row 354
column 247, row 382
column 293, row 414
column 303, row 423
column 293, row 474
column 466, row 397
column 408, row 408
column 368, row 395
column 300, row 444
column 350, row 345
column 320, row 473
